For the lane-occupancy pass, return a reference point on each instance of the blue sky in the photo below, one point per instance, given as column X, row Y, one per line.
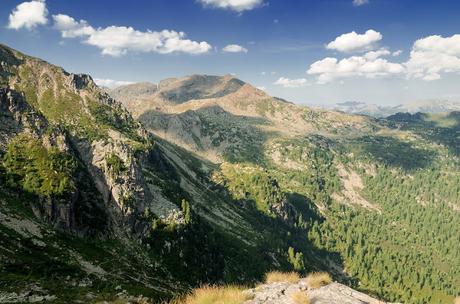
column 304, row 51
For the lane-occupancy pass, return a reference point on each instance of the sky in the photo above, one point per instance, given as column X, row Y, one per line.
column 309, row 52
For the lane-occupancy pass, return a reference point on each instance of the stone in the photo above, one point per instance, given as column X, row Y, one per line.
column 334, row 293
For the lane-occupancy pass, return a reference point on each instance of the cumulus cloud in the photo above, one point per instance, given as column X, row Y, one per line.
column 236, row 5
column 370, row 65
column 234, row 48
column 354, row 42
column 431, row 56
column 360, row 2
column 28, row 15
column 291, row 83
column 118, row 40
column 110, row 83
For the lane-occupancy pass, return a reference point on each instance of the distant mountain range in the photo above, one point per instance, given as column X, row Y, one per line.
column 422, row 106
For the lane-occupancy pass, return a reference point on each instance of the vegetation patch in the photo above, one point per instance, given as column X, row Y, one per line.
column 251, row 183
column 285, row 277
column 395, row 152
column 115, row 165
column 117, row 118
column 38, row 170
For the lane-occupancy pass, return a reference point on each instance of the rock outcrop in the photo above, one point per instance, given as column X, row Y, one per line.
column 286, row 293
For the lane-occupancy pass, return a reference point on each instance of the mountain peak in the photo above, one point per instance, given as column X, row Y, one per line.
column 180, row 90
column 176, row 91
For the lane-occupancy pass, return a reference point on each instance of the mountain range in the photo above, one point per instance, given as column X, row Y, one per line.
column 146, row 191
column 433, row 106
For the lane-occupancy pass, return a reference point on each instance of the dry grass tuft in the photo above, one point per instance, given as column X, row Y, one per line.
column 278, row 276
column 300, row 298
column 215, row 295
column 318, row 279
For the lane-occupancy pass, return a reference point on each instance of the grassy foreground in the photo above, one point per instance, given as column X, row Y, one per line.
column 235, row 294
column 215, row 295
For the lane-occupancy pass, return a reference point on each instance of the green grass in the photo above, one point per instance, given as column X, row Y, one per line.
column 38, row 170
column 115, row 165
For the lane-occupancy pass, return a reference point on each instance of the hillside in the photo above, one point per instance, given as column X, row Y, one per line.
column 93, row 207
column 235, row 125
column 386, row 189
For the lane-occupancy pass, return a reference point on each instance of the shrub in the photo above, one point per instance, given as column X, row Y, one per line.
column 296, row 259
column 299, row 297
column 215, row 295
column 277, row 276
column 185, row 206
column 115, row 165
column 318, row 279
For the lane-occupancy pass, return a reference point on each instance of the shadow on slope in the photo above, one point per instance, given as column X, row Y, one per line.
column 212, row 131
column 440, row 128
column 395, row 153
column 240, row 242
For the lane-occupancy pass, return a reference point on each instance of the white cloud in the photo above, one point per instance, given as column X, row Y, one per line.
column 70, row 28
column 371, row 65
column 110, row 83
column 353, row 42
column 397, row 53
column 28, row 15
column 373, row 55
column 236, row 5
column 431, row 56
column 360, row 2
column 262, row 88
column 291, row 83
column 234, row 48
column 118, row 40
